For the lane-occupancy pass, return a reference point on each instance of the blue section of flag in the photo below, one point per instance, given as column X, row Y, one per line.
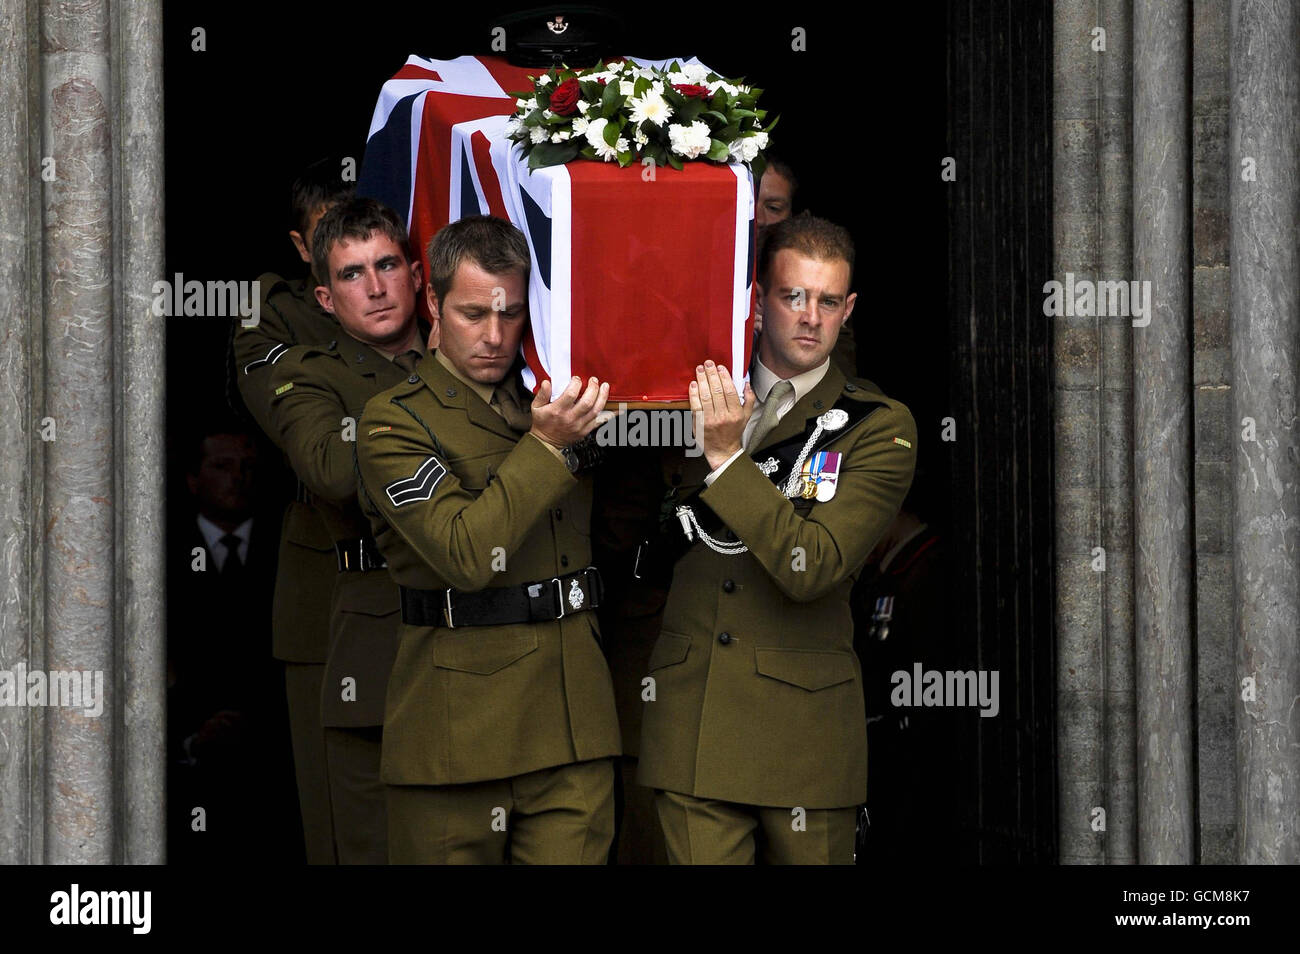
column 468, row 197
column 539, row 230
column 386, row 169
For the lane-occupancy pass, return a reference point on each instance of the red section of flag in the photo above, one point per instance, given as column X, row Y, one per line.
column 411, row 71
column 487, row 175
column 668, row 306
column 513, row 79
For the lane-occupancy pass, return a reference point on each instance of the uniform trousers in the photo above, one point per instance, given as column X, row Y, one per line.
column 302, row 682
column 706, row 831
column 357, row 797
column 555, row 816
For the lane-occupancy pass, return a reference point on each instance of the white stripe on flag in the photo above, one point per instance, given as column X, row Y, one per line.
column 417, row 121
column 740, row 276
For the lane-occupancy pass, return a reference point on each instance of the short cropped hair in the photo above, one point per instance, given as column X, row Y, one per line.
column 493, row 244
column 354, row 218
column 320, row 185
column 808, row 235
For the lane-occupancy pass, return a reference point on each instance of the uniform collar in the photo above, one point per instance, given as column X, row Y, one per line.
column 365, row 360
column 453, row 391
column 765, row 379
column 484, row 391
column 819, row 397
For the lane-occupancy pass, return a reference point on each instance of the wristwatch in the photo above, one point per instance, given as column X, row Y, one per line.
column 571, row 459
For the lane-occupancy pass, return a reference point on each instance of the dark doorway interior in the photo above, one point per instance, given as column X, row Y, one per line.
column 863, row 124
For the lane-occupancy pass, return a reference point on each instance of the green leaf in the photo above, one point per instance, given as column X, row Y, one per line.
column 714, row 114
column 690, row 111
column 624, row 158
column 728, row 132
column 674, row 67
column 772, row 125
column 757, row 167
column 674, row 162
column 610, row 133
column 742, row 114
column 640, row 86
column 550, row 154
column 610, row 100
column 718, row 150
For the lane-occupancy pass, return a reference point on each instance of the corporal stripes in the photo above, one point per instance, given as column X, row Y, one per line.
column 419, row 486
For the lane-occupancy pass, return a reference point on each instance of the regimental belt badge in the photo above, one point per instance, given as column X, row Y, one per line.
column 575, row 595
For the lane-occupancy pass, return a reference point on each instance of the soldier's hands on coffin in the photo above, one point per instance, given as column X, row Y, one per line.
column 573, row 415
column 719, row 416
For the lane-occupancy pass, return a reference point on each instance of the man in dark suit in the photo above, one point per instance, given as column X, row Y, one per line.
column 226, row 718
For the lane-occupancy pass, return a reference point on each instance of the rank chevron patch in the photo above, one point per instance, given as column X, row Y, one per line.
column 419, row 486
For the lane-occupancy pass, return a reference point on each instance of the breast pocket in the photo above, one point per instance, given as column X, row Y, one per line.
column 671, row 649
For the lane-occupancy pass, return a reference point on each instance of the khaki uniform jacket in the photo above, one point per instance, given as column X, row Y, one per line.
column 318, row 394
column 289, row 316
column 461, row 500
column 758, row 693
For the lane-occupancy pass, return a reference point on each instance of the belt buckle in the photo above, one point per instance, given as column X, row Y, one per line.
column 559, row 595
column 447, row 599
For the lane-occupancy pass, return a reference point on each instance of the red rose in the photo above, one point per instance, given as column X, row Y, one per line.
column 691, row 89
column 564, row 101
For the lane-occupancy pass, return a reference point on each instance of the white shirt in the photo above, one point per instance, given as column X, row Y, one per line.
column 762, row 381
column 212, row 535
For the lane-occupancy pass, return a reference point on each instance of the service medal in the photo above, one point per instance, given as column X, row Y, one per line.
column 809, row 489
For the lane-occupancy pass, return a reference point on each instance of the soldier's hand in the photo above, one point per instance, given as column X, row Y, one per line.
column 719, row 416
column 571, row 416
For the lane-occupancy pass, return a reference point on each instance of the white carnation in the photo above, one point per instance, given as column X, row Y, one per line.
column 651, row 108
column 560, row 136
column 626, row 87
column 694, row 73
column 721, row 84
column 689, row 142
column 761, row 139
column 596, row 139
column 583, row 106
column 580, row 124
column 538, row 134
column 744, row 150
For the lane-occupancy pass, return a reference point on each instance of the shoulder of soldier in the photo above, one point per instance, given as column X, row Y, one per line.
column 393, row 402
column 894, row 416
column 306, row 359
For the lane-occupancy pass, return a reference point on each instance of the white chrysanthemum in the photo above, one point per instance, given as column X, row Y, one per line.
column 640, row 138
column 721, row 84
column 626, row 87
column 537, row 134
column 596, row 136
column 689, row 142
column 743, row 150
column 651, row 108
column 580, row 124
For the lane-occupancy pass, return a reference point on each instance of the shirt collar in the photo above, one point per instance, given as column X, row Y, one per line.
column 212, row 534
column 764, row 379
column 484, row 391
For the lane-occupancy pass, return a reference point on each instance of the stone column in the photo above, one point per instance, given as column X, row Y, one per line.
column 137, row 58
column 1162, row 432
column 81, row 368
column 79, row 467
column 1094, row 629
column 20, row 369
column 1264, row 211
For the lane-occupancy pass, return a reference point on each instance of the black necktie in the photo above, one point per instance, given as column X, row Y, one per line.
column 232, row 564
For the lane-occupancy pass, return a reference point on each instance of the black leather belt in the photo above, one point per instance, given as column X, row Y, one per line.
column 544, row 600
column 358, row 556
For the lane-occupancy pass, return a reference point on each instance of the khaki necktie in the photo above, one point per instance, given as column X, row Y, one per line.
column 507, row 405
column 767, row 420
column 406, row 360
